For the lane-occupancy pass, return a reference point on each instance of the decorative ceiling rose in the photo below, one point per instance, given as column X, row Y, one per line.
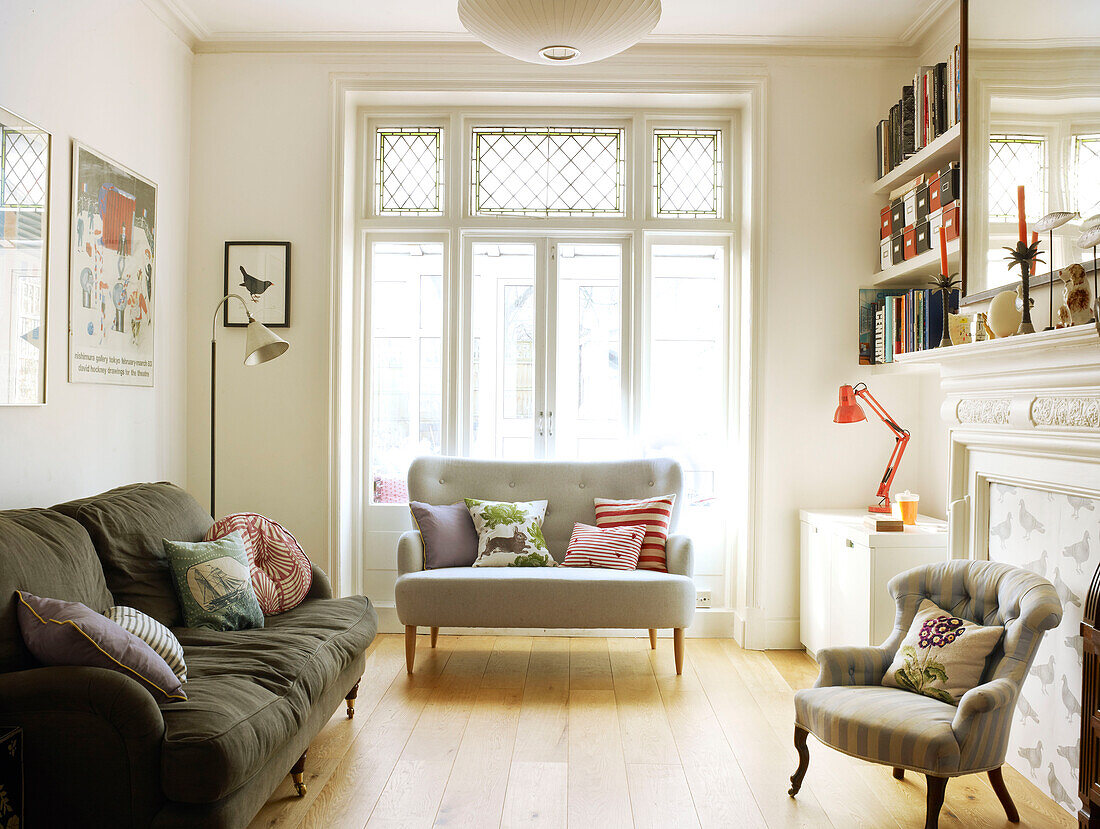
column 559, row 31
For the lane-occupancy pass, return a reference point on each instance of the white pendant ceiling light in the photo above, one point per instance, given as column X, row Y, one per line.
column 554, row 32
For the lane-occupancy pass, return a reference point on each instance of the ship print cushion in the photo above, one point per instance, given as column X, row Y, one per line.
column 509, row 534
column 213, row 583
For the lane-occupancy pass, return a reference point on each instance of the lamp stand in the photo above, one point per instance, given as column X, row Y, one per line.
column 213, row 414
column 901, row 439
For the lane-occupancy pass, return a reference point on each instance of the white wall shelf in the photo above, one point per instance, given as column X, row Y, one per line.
column 936, row 155
column 915, row 272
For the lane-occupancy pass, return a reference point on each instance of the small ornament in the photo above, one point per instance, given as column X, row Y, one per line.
column 959, row 326
column 1004, row 317
column 1076, row 296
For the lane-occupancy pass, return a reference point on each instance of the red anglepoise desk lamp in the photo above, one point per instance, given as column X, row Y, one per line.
column 849, row 411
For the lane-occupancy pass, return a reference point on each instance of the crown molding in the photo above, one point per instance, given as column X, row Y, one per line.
column 926, row 21
column 180, row 20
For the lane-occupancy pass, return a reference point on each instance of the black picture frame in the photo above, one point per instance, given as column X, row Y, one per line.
column 264, row 313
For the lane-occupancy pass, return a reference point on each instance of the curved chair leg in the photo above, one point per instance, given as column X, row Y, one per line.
column 653, row 639
column 410, row 647
column 800, row 735
column 435, row 635
column 350, row 700
column 998, row 782
column 678, row 649
column 899, row 774
column 298, row 774
column 936, row 788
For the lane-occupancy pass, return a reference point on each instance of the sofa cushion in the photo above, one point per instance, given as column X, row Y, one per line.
column 558, row 597
column 250, row 690
column 43, row 552
column 128, row 526
column 213, row 583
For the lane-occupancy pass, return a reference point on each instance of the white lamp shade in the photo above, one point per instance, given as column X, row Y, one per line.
column 575, row 31
column 262, row 344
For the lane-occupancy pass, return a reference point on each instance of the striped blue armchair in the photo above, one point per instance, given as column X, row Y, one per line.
column 850, row 710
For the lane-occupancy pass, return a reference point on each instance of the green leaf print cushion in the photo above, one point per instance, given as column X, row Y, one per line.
column 942, row 656
column 214, row 583
column 509, row 534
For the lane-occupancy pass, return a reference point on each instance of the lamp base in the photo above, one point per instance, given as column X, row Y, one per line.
column 885, row 509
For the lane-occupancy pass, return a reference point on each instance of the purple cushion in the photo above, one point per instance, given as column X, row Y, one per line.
column 450, row 539
column 72, row 634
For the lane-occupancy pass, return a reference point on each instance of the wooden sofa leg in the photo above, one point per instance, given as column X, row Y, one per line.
column 350, row 699
column 899, row 774
column 678, row 649
column 435, row 635
column 800, row 735
column 936, row 788
column 298, row 774
column 653, row 639
column 998, row 781
column 410, row 647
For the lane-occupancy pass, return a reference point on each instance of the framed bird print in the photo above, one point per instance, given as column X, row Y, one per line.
column 258, row 272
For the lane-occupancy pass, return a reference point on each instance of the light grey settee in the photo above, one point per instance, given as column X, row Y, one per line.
column 545, row 597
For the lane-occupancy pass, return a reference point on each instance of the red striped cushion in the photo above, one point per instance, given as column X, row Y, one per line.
column 655, row 514
column 617, row 548
column 281, row 573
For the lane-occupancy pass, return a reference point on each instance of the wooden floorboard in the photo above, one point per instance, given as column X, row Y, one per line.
column 596, row 733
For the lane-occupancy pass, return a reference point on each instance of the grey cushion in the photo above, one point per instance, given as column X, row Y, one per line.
column 555, row 597
column 450, row 538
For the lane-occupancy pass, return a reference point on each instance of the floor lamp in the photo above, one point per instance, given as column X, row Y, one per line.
column 260, row 345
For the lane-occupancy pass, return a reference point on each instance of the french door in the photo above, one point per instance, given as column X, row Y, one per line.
column 546, row 323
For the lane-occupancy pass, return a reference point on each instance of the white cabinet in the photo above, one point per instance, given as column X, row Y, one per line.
column 845, row 568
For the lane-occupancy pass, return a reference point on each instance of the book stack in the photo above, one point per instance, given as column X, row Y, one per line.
column 928, row 108
column 899, row 322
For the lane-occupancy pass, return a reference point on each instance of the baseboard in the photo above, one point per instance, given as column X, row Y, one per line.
column 748, row 628
column 711, row 623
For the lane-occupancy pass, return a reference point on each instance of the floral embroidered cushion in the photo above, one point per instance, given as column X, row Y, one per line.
column 942, row 656
column 509, row 535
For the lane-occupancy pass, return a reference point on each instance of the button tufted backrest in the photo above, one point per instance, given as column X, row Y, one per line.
column 988, row 593
column 569, row 487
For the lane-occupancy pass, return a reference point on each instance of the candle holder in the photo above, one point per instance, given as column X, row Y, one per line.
column 945, row 285
column 1026, row 256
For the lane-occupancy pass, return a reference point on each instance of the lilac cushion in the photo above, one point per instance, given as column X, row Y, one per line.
column 450, row 539
column 71, row 634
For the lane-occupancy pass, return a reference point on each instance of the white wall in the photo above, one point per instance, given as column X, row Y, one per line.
column 110, row 74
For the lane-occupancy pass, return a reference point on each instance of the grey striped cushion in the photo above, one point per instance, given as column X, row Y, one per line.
column 154, row 634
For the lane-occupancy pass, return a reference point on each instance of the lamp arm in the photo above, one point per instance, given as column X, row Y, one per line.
column 218, row 307
column 901, row 440
column 864, row 394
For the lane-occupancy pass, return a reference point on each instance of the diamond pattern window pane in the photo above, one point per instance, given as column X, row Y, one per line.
column 409, row 179
column 1016, row 160
column 559, row 171
column 1086, row 173
column 687, row 174
column 23, row 169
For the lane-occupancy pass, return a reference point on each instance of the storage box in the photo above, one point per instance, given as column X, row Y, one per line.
column 886, row 258
column 934, row 193
column 910, row 237
column 949, row 183
column 897, row 248
column 897, row 216
column 922, row 239
column 935, row 222
column 910, row 201
column 951, row 221
column 922, row 203
column 885, row 230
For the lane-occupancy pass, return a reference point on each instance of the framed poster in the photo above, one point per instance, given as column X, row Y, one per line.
column 112, row 265
column 258, row 272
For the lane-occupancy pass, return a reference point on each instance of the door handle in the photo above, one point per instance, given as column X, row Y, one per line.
column 540, row 424
column 550, row 422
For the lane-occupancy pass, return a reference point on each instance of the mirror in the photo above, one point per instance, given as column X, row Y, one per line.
column 24, row 228
column 1034, row 120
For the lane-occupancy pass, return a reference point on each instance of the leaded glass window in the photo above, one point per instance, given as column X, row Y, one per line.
column 548, row 171
column 23, row 169
column 687, row 173
column 1086, row 173
column 1015, row 160
column 409, row 175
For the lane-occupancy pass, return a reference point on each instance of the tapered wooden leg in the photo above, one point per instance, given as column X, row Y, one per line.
column 350, row 700
column 298, row 774
column 410, row 647
column 998, row 782
column 800, row 735
column 435, row 635
column 899, row 774
column 936, row 788
column 678, row 649
column 653, row 639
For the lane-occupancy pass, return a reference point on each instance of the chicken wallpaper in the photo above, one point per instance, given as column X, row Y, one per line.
column 1055, row 535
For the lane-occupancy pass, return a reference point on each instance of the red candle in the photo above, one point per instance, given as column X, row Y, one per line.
column 943, row 251
column 1020, row 210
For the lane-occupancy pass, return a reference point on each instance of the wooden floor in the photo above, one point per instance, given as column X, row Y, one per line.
column 601, row 733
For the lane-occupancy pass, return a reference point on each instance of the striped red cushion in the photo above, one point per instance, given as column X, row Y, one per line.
column 655, row 514
column 616, row 548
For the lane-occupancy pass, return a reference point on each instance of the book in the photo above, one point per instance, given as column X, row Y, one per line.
column 880, row 341
column 872, row 324
column 908, row 125
column 883, row 525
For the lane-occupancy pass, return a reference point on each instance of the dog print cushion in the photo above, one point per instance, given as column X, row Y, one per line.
column 509, row 534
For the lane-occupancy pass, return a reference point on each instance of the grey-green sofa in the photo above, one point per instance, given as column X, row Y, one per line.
column 98, row 750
